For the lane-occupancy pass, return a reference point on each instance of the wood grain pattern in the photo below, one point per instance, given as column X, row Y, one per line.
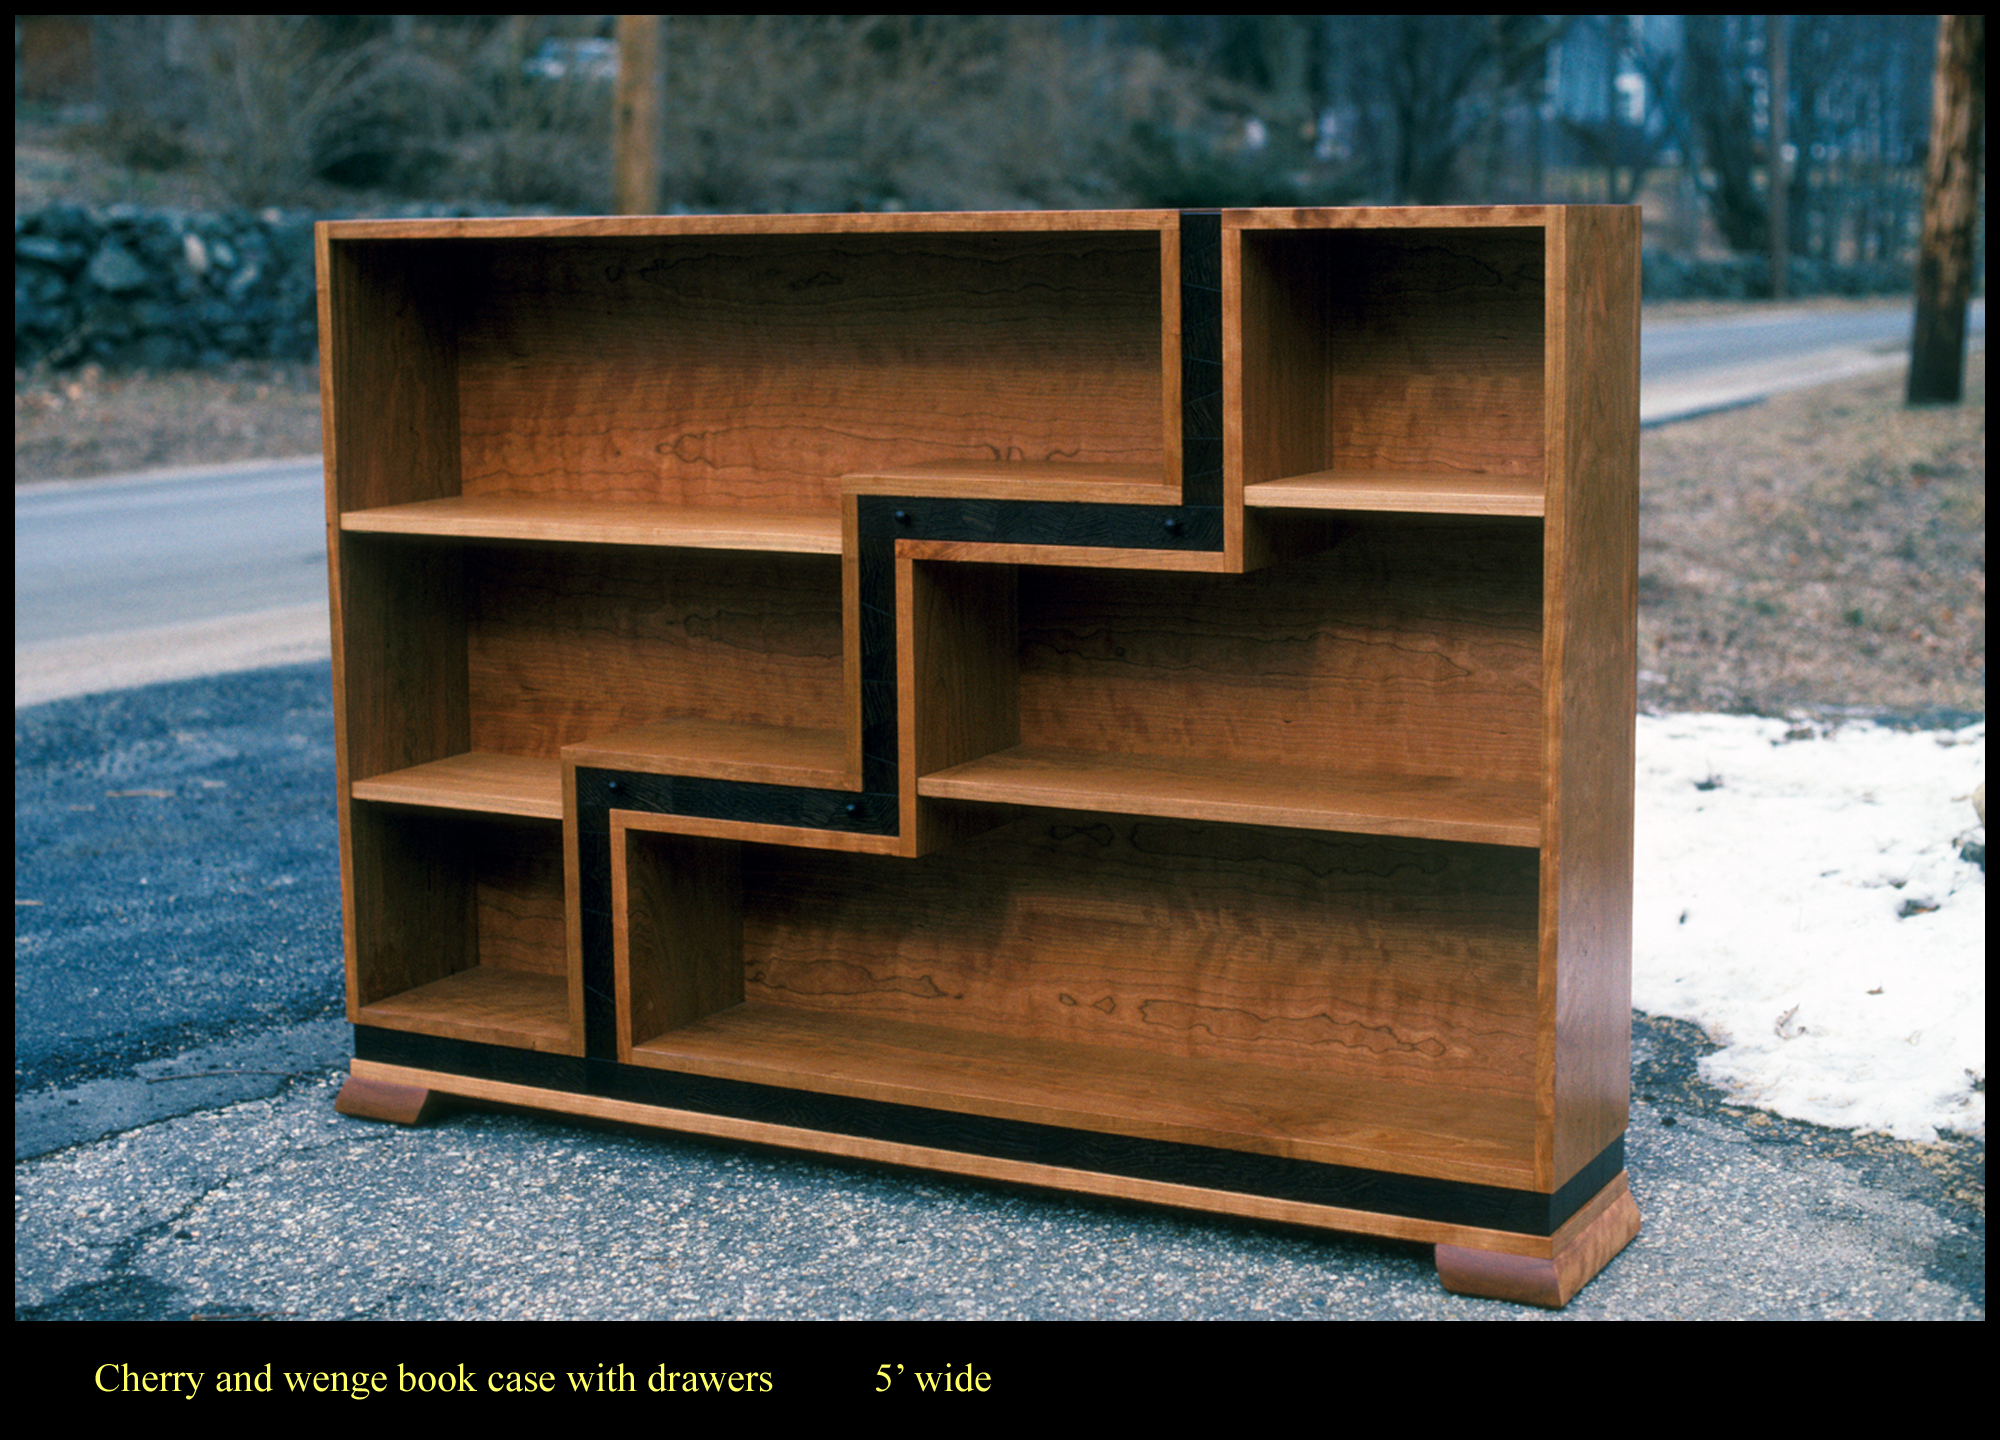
column 493, row 1006
column 956, row 1162
column 1394, row 350
column 678, row 932
column 1592, row 699
column 567, row 644
column 1400, row 651
column 1306, row 953
column 1058, row 481
column 756, row 754
column 733, row 372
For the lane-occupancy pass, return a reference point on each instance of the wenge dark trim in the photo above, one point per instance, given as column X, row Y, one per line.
column 1201, row 357
column 1449, row 1202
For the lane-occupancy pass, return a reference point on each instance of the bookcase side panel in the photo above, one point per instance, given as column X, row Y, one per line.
column 1593, row 601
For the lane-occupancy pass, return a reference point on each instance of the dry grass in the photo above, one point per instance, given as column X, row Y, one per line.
column 78, row 423
column 1821, row 551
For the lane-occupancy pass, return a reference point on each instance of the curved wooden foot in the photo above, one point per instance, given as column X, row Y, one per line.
column 1577, row 1252
column 381, row 1100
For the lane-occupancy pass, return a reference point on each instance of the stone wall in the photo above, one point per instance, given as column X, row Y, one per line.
column 129, row 287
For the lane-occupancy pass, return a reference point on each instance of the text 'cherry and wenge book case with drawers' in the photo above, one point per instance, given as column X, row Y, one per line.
column 1139, row 703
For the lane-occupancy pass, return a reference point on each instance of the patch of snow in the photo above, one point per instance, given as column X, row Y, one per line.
column 1799, row 893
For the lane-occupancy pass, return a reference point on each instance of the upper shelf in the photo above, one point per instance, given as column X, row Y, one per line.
column 580, row 520
column 1429, row 492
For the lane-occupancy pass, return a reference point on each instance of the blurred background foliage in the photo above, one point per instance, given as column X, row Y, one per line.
column 765, row 113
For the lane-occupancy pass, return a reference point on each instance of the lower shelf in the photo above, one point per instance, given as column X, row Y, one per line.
column 486, row 1004
column 1465, row 1135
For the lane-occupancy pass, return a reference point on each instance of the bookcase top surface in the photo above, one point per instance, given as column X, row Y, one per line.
column 914, row 222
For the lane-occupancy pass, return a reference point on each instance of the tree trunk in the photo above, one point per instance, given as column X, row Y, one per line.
column 1951, row 199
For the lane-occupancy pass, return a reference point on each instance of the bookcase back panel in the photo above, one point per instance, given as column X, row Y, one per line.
column 565, row 644
column 753, row 373
column 519, row 896
column 1403, row 650
column 1409, row 351
column 1311, row 953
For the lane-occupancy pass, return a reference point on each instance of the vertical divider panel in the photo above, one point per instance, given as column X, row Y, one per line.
column 677, row 924
column 958, row 686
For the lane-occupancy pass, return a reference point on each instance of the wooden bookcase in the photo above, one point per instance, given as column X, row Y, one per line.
column 1139, row 703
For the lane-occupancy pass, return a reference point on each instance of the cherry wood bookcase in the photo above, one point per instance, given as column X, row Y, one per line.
column 1139, row 703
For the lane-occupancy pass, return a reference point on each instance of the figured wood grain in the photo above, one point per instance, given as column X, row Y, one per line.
column 1309, row 952
column 753, row 371
column 1402, row 350
column 1331, row 859
column 1405, row 649
column 1592, row 661
column 461, row 927
column 566, row 644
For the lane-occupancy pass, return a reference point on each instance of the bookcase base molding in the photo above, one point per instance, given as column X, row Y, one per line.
column 1133, row 703
column 1501, row 1264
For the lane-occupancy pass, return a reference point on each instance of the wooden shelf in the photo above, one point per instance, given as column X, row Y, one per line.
column 759, row 754
column 597, row 522
column 1237, row 792
column 1061, row 481
column 492, row 1006
column 477, row 782
column 1458, row 1134
column 1429, row 493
